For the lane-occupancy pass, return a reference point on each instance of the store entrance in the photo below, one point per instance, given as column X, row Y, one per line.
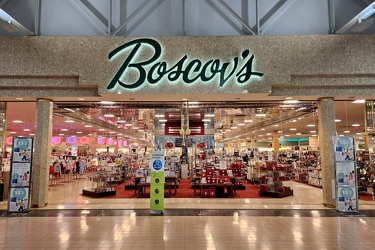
column 229, row 142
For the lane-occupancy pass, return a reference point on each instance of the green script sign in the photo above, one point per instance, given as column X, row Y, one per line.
column 154, row 70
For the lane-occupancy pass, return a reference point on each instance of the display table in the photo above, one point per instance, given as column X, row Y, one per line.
column 219, row 189
column 141, row 189
column 172, row 180
column 93, row 193
column 276, row 194
column 198, row 179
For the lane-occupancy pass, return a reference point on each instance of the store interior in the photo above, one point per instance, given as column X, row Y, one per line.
column 228, row 143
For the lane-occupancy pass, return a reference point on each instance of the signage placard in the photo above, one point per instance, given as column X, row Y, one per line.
column 346, row 176
column 157, row 182
column 20, row 175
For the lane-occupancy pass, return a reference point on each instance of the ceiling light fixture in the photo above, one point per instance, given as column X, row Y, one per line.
column 346, row 131
column 359, row 101
column 206, row 120
column 64, row 129
column 248, row 120
column 88, row 126
column 337, row 120
column 310, row 125
column 241, row 124
column 355, row 125
column 17, row 121
column 260, row 115
column 293, row 129
column 291, row 101
column 107, row 102
column 69, row 121
column 163, row 120
column 109, row 115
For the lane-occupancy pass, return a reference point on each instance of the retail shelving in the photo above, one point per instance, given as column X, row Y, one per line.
column 273, row 184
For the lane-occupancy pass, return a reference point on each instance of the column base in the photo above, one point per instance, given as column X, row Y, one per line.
column 39, row 206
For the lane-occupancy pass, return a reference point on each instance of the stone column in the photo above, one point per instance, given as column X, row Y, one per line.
column 94, row 141
column 275, row 143
column 42, row 153
column 327, row 130
column 366, row 141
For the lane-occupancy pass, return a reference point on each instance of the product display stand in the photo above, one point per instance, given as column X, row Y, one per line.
column 346, row 176
column 274, row 181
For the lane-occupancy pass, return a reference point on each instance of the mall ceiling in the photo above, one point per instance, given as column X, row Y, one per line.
column 186, row 18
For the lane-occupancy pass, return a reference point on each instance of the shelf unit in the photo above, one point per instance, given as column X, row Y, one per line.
column 315, row 177
column 273, row 186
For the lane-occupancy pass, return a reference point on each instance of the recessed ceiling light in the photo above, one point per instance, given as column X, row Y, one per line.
column 184, row 99
column 260, row 115
column 159, row 115
column 260, row 135
column 312, row 131
column 228, row 130
column 17, row 121
column 69, row 121
column 121, row 121
column 79, row 132
column 89, row 134
column 287, row 135
column 346, row 131
column 355, row 125
column 248, row 120
column 359, row 101
column 341, row 135
column 19, row 98
column 26, row 129
column 13, row 132
column 359, row 133
column 210, row 115
column 269, row 134
column 109, row 115
column 294, row 121
column 112, row 132
column 262, row 129
column 88, row 126
column 310, row 125
column 81, row 99
column 291, row 101
column 101, row 129
column 241, row 124
column 293, row 129
column 61, row 134
column 298, row 133
column 280, row 132
column 128, row 124
column 314, row 135
column 119, row 134
column 233, row 127
column 162, row 120
column 288, row 98
column 107, row 102
column 64, row 129
column 337, row 120
column 204, row 120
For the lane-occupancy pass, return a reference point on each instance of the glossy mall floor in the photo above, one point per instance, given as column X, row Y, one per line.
column 72, row 221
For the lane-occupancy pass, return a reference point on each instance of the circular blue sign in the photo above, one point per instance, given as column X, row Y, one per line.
column 347, row 193
column 22, row 144
column 157, row 164
column 19, row 193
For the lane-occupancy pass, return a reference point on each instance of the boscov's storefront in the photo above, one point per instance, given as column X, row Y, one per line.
column 48, row 69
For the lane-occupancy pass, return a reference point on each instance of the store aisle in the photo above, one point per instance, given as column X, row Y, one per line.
column 228, row 229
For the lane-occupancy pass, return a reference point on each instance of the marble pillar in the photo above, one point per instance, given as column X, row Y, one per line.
column 327, row 130
column 42, row 153
column 275, row 143
column 94, row 141
column 366, row 142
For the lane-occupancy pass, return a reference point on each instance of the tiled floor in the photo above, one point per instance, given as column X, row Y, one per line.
column 295, row 222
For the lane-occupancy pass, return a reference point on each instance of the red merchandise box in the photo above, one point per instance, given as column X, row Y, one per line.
column 205, row 193
column 212, row 193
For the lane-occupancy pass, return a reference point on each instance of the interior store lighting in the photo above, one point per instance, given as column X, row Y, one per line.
column 159, row 115
column 107, row 102
column 121, row 121
column 291, row 101
column 260, row 115
column 359, row 101
column 355, row 125
column 312, row 131
column 292, row 129
column 163, row 120
column 298, row 133
column 109, row 115
column 310, row 125
column 69, row 121
column 248, row 120
column 64, row 129
column 337, row 120
column 88, row 126
column 206, row 120
column 26, row 129
column 13, row 132
column 346, row 131
column 101, row 129
column 241, row 124
column 17, row 121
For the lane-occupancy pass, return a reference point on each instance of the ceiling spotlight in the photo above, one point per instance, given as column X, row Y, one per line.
column 17, row 121
column 337, row 120
column 262, row 129
column 346, row 131
column 310, row 125
column 69, row 121
column 64, row 129
column 355, row 125
column 312, row 131
column 293, row 129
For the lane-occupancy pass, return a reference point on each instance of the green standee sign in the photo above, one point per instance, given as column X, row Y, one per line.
column 157, row 182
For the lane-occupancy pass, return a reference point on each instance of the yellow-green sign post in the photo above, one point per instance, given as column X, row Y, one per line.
column 157, row 182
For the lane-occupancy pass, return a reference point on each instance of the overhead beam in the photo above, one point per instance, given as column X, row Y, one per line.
column 13, row 25
column 331, row 17
column 95, row 16
column 245, row 26
column 225, row 17
column 38, row 9
column 274, row 14
column 137, row 12
column 358, row 19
